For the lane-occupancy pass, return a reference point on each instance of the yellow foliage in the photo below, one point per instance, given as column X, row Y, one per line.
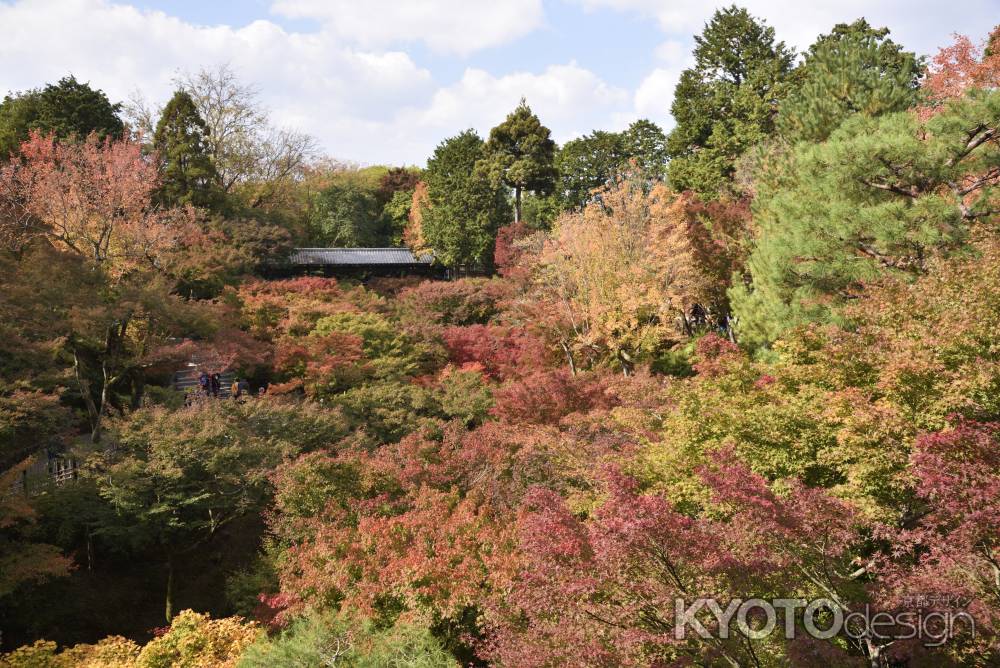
column 193, row 641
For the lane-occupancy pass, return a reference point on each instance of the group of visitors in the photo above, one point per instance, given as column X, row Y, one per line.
column 210, row 385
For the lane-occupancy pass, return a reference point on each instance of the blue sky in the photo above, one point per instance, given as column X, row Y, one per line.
column 383, row 81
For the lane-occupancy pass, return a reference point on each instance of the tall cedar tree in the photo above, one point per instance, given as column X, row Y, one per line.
column 520, row 154
column 854, row 69
column 726, row 103
column 188, row 173
column 65, row 109
column 464, row 209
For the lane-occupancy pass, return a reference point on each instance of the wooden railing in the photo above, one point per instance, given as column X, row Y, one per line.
column 36, row 478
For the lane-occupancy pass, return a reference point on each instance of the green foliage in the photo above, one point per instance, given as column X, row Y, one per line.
column 725, row 104
column 326, row 640
column 388, row 411
column 593, row 161
column 644, row 146
column 67, row 109
column 540, row 211
column 882, row 196
column 854, row 69
column 176, row 478
column 465, row 210
column 187, row 169
column 588, row 163
column 245, row 586
column 389, row 354
column 347, row 214
column 464, row 396
column 397, row 213
column 520, row 154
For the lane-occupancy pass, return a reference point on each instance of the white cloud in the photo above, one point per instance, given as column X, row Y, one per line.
column 452, row 26
column 365, row 105
column 349, row 81
column 569, row 98
column 656, row 92
column 311, row 81
column 673, row 51
column 920, row 25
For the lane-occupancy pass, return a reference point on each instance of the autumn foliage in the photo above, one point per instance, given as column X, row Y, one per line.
column 786, row 386
column 91, row 198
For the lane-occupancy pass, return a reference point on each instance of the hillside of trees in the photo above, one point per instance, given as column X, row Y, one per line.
column 756, row 357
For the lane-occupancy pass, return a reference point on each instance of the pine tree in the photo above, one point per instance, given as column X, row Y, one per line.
column 464, row 210
column 726, row 102
column 854, row 69
column 882, row 196
column 189, row 175
column 520, row 154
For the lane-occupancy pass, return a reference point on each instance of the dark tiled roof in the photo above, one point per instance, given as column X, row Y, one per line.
column 353, row 257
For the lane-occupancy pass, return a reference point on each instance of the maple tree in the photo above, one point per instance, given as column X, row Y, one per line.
column 93, row 199
column 959, row 67
column 621, row 279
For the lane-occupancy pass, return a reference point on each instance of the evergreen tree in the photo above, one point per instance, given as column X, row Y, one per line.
column 854, row 69
column 593, row 161
column 588, row 163
column 465, row 209
column 726, row 102
column 189, row 175
column 346, row 214
column 645, row 146
column 66, row 109
column 521, row 155
column 882, row 196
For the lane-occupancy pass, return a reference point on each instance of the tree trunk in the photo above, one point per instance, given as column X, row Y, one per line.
column 517, row 204
column 88, row 400
column 138, row 389
column 169, row 604
column 569, row 358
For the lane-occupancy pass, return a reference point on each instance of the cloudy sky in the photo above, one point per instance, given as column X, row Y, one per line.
column 385, row 80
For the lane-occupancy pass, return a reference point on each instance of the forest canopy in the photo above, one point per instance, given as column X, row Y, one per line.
column 750, row 359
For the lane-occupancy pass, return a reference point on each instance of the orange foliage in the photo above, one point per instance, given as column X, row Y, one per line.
column 92, row 199
column 413, row 235
column 959, row 67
